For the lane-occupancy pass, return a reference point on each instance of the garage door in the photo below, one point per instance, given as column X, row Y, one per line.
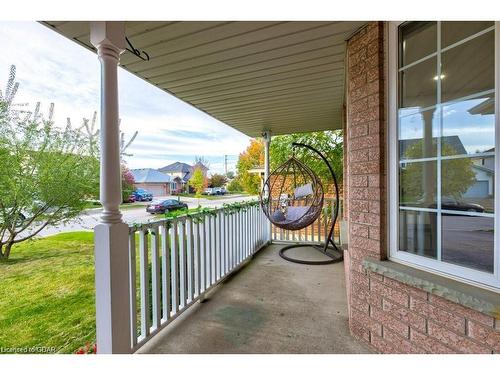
column 157, row 191
column 478, row 190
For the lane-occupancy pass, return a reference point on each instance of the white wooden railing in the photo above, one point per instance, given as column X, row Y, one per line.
column 174, row 262
column 316, row 232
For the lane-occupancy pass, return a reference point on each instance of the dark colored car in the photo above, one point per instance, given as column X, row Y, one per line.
column 142, row 195
column 161, row 207
column 450, row 203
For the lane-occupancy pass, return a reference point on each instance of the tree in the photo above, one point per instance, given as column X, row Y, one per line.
column 128, row 182
column 46, row 173
column 230, row 175
column 217, row 180
column 197, row 181
column 252, row 157
column 234, row 186
column 329, row 143
column 418, row 179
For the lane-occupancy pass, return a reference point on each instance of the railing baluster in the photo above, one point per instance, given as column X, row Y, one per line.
column 208, row 253
column 155, row 277
column 203, row 252
column 174, row 267
column 253, row 230
column 213, row 251
column 245, row 233
column 190, row 259
column 198, row 259
column 165, row 271
column 238, row 237
column 144, row 275
column 133, row 289
column 181, row 227
column 226, row 243
column 219, row 246
column 325, row 225
column 234, row 230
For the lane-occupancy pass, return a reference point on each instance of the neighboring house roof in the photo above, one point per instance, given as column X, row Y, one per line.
column 176, row 167
column 451, row 140
column 483, row 168
column 149, row 175
column 179, row 167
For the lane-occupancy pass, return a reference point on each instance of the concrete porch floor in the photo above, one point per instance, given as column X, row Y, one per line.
column 269, row 306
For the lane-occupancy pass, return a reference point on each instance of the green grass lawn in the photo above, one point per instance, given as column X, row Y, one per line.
column 47, row 293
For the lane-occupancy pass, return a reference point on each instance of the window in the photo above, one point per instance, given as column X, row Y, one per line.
column 443, row 140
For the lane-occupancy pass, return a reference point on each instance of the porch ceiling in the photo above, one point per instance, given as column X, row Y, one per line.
column 285, row 77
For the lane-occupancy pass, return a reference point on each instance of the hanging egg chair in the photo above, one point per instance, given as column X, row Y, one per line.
column 292, row 199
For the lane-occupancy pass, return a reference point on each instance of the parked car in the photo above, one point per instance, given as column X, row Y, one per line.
column 162, row 207
column 449, row 203
column 215, row 191
column 209, row 191
column 220, row 190
column 142, row 195
column 129, row 199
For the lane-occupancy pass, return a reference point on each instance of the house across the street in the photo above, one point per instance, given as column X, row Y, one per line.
column 181, row 173
column 157, row 183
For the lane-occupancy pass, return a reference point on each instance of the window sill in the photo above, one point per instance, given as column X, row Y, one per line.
column 473, row 297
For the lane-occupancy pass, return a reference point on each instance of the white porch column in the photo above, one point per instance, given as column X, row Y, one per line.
column 267, row 142
column 111, row 235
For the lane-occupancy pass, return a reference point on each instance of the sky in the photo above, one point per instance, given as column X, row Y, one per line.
column 52, row 69
column 476, row 131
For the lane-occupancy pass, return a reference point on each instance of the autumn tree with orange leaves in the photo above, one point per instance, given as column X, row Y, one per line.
column 252, row 157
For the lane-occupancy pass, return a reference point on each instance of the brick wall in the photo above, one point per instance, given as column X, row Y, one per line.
column 390, row 316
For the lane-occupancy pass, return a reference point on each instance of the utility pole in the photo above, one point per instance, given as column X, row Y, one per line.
column 225, row 164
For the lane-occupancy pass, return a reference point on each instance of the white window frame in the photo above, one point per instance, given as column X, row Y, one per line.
column 464, row 274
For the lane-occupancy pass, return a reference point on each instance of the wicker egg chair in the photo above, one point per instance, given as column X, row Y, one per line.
column 292, row 199
column 294, row 196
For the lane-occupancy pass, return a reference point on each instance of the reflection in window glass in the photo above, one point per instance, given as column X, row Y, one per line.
column 418, row 39
column 418, row 135
column 455, row 31
column 469, row 126
column 418, row 85
column 417, row 184
column 418, row 233
column 468, row 68
column 468, row 241
column 467, row 184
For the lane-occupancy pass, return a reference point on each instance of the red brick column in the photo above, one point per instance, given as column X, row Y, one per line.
column 365, row 168
column 390, row 316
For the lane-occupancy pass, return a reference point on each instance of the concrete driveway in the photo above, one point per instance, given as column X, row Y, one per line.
column 90, row 218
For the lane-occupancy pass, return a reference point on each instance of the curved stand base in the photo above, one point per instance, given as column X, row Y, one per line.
column 332, row 252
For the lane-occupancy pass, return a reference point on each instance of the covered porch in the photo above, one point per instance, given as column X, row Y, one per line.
column 264, row 79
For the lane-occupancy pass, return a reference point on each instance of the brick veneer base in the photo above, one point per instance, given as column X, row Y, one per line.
column 390, row 316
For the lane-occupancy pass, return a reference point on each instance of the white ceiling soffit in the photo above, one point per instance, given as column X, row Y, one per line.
column 285, row 77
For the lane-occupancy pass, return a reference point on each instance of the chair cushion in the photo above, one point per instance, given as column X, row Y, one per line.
column 303, row 191
column 277, row 216
column 296, row 212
